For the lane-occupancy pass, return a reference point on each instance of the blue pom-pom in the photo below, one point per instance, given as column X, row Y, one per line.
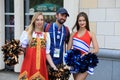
column 72, row 57
column 80, row 63
column 92, row 60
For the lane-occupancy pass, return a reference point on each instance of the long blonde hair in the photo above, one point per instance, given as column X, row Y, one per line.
column 31, row 27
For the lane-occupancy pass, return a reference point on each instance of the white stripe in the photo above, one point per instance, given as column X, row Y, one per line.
column 81, row 41
column 79, row 48
column 80, row 45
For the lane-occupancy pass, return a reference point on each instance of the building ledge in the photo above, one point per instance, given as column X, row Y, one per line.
column 109, row 53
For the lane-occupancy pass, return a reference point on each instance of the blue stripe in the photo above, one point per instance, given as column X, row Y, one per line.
column 81, row 48
column 90, row 71
column 81, row 42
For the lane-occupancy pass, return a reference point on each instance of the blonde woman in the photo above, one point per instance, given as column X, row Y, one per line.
column 36, row 44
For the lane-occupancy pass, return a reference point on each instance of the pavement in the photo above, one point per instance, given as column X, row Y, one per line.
column 8, row 75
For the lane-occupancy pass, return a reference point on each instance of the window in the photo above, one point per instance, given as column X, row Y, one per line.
column 9, row 19
column 48, row 7
column 9, row 25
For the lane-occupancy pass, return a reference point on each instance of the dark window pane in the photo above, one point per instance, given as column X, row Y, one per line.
column 9, row 33
column 9, row 19
column 9, row 6
column 28, row 19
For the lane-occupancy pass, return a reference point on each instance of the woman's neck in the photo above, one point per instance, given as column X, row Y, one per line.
column 38, row 30
column 82, row 29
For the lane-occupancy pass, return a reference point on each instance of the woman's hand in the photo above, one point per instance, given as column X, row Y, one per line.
column 83, row 54
column 21, row 51
column 93, row 51
column 55, row 68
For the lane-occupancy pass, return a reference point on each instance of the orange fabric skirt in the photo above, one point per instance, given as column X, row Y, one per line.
column 34, row 65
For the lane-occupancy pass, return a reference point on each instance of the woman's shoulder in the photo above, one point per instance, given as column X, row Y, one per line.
column 91, row 33
column 73, row 33
column 46, row 34
column 24, row 32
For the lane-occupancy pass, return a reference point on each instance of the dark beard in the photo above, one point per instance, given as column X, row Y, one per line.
column 60, row 21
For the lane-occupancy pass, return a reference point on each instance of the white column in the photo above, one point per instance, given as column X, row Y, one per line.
column 72, row 7
column 19, row 26
column 2, row 32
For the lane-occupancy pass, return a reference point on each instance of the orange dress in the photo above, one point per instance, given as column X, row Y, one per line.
column 34, row 64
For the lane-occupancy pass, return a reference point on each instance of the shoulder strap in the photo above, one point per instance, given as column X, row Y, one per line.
column 67, row 37
column 47, row 27
column 67, row 34
column 67, row 30
column 45, row 35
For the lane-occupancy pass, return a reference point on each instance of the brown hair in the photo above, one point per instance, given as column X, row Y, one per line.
column 83, row 14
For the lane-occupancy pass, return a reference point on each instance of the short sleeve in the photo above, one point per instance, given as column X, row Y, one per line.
column 24, row 39
column 48, row 43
